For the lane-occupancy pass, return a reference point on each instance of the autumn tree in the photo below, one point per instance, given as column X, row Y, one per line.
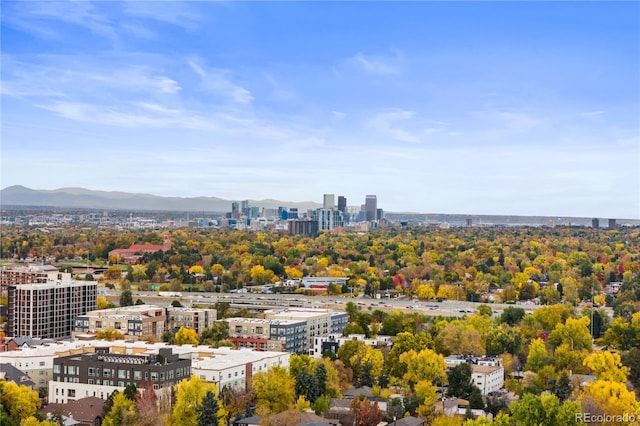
column 545, row 409
column 274, row 390
column 190, row 394
column 607, row 365
column 19, row 401
column 423, row 365
column 122, row 412
column 186, row 336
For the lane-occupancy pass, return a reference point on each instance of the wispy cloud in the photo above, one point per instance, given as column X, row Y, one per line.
column 592, row 114
column 405, row 125
column 216, row 80
column 378, row 64
column 178, row 13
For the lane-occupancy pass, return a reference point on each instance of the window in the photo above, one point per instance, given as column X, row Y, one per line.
column 71, row 392
column 41, row 363
column 122, row 374
column 90, row 371
column 121, row 384
column 42, row 372
column 137, row 375
column 154, row 376
column 90, row 381
column 56, row 368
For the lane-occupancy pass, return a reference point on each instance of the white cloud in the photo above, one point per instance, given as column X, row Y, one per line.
column 378, row 64
column 592, row 114
column 217, row 81
column 180, row 14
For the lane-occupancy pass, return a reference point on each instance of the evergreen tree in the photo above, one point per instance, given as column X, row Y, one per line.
column 130, row 392
column 321, row 379
column 208, row 410
column 562, row 387
column 307, row 386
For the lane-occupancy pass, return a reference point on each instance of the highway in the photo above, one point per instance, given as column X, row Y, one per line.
column 266, row 301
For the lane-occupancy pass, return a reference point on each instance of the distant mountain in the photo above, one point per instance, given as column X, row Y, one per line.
column 113, row 200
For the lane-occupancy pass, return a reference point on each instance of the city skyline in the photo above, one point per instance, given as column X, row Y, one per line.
column 481, row 108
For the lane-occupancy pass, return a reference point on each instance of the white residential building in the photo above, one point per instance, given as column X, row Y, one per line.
column 488, row 378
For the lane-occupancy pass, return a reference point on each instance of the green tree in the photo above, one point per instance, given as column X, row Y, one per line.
column 538, row 356
column 545, row 409
column 307, row 386
column 512, row 315
column 209, row 410
column 126, row 298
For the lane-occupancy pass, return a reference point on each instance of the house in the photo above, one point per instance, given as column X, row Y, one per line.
column 9, row 373
column 408, row 421
column 84, row 411
column 14, row 343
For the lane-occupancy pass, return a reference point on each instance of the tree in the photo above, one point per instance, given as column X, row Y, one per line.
column 122, row 412
column 503, row 339
column 607, row 397
column 321, row 379
column 424, row 365
column 146, row 405
column 512, row 315
column 274, row 390
column 126, row 298
column 32, row 421
column 112, row 273
column 606, row 365
column 364, row 413
column 186, row 336
column 209, row 410
column 562, row 387
column 218, row 331
column 544, row 410
column 176, row 304
column 457, row 339
column 427, row 396
column 102, row 303
column 307, row 386
column 19, row 401
column 574, row 332
column 190, row 394
column 459, row 379
column 130, row 392
column 538, row 356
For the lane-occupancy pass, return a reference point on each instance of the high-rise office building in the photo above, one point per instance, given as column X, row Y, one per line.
column 329, row 201
column 48, row 310
column 612, row 223
column 595, row 223
column 371, row 207
column 342, row 204
column 244, row 206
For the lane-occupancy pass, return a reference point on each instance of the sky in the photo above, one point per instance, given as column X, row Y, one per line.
column 511, row 108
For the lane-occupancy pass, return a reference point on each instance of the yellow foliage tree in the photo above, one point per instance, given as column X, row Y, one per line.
column 32, row 421
column 424, row 365
column 607, row 366
column 19, row 401
column 189, row 395
column 102, row 302
column 186, row 336
column 274, row 390
column 122, row 413
column 611, row 398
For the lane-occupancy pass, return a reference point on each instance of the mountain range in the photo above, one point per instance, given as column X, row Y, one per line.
column 112, row 200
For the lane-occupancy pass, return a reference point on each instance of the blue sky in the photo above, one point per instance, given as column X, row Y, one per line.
column 436, row 107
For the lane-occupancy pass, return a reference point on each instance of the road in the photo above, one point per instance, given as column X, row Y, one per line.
column 256, row 300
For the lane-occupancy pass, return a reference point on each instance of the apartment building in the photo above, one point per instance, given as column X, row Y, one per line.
column 268, row 335
column 319, row 322
column 131, row 321
column 332, row 342
column 234, row 368
column 197, row 319
column 99, row 374
column 47, row 309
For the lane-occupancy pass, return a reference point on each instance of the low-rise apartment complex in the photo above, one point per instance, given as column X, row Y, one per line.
column 99, row 374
